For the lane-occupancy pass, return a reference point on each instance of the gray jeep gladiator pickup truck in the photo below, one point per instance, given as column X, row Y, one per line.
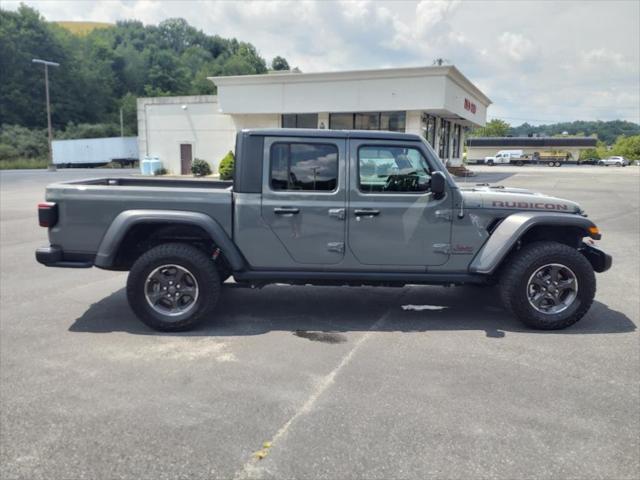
column 324, row 207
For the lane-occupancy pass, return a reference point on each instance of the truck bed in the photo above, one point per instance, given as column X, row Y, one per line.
column 152, row 182
column 87, row 207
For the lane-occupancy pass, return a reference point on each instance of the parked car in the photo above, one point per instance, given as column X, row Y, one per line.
column 324, row 207
column 589, row 161
column 616, row 160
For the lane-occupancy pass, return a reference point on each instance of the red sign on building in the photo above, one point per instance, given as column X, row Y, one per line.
column 469, row 105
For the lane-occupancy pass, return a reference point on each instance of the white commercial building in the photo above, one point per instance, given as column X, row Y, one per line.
column 438, row 103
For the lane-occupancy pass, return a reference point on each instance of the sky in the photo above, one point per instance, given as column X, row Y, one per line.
column 540, row 61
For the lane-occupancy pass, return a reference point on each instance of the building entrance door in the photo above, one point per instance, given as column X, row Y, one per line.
column 185, row 158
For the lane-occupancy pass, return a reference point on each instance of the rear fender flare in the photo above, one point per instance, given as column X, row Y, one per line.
column 108, row 249
column 513, row 227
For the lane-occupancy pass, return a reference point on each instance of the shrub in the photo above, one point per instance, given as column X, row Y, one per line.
column 21, row 163
column 226, row 166
column 200, row 168
column 160, row 171
column 18, row 142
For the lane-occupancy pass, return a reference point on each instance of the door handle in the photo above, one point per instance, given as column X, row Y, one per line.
column 286, row 210
column 366, row 212
column 337, row 212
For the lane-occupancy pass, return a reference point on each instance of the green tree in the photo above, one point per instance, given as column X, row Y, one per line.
column 589, row 153
column 225, row 169
column 279, row 63
column 493, row 128
column 628, row 147
column 608, row 132
column 102, row 69
column 22, row 142
column 129, row 106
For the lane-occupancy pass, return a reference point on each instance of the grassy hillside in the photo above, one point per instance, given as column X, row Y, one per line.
column 82, row 28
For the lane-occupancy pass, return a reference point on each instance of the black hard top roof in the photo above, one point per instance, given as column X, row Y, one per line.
column 531, row 141
column 323, row 133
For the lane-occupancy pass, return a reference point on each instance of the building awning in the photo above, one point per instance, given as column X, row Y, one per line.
column 437, row 88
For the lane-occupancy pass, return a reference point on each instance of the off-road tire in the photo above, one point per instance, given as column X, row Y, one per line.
column 197, row 263
column 519, row 267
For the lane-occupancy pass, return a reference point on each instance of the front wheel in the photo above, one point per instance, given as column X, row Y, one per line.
column 173, row 287
column 548, row 285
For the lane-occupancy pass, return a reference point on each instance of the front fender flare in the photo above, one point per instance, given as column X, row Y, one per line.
column 511, row 230
column 112, row 239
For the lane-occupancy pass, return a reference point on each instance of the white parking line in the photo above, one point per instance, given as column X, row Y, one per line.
column 250, row 471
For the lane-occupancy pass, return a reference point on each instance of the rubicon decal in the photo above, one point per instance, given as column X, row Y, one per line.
column 531, row 205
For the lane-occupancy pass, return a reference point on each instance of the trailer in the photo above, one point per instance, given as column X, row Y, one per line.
column 550, row 159
column 95, row 152
column 517, row 157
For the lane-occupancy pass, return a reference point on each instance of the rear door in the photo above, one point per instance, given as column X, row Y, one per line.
column 303, row 197
column 393, row 218
column 186, row 158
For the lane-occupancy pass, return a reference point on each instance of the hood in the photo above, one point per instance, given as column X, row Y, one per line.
column 499, row 197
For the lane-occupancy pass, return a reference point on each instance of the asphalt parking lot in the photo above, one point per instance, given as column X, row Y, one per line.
column 344, row 382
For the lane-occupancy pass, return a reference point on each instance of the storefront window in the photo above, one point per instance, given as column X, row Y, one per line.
column 443, row 139
column 429, row 128
column 457, row 129
column 393, row 121
column 341, row 121
column 367, row 121
column 300, row 120
column 389, row 121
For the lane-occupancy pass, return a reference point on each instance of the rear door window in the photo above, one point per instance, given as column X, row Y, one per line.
column 304, row 166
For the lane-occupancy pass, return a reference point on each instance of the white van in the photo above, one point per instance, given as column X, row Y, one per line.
column 504, row 156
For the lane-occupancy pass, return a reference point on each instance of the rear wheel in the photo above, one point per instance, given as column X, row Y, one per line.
column 558, row 164
column 173, row 287
column 550, row 164
column 548, row 285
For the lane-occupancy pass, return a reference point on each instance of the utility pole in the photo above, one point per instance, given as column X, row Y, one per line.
column 121, row 124
column 52, row 167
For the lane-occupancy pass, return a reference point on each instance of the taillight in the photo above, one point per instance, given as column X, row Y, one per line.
column 47, row 214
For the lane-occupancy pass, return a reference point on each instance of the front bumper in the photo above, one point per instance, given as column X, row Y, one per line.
column 54, row 256
column 600, row 261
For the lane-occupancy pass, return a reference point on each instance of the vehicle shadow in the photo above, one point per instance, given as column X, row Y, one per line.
column 303, row 310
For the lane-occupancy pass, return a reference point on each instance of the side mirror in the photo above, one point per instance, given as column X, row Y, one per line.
column 438, row 184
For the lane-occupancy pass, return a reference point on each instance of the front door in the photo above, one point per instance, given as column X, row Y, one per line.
column 186, row 158
column 393, row 218
column 303, row 197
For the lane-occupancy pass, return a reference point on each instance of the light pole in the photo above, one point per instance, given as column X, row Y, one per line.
column 52, row 167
